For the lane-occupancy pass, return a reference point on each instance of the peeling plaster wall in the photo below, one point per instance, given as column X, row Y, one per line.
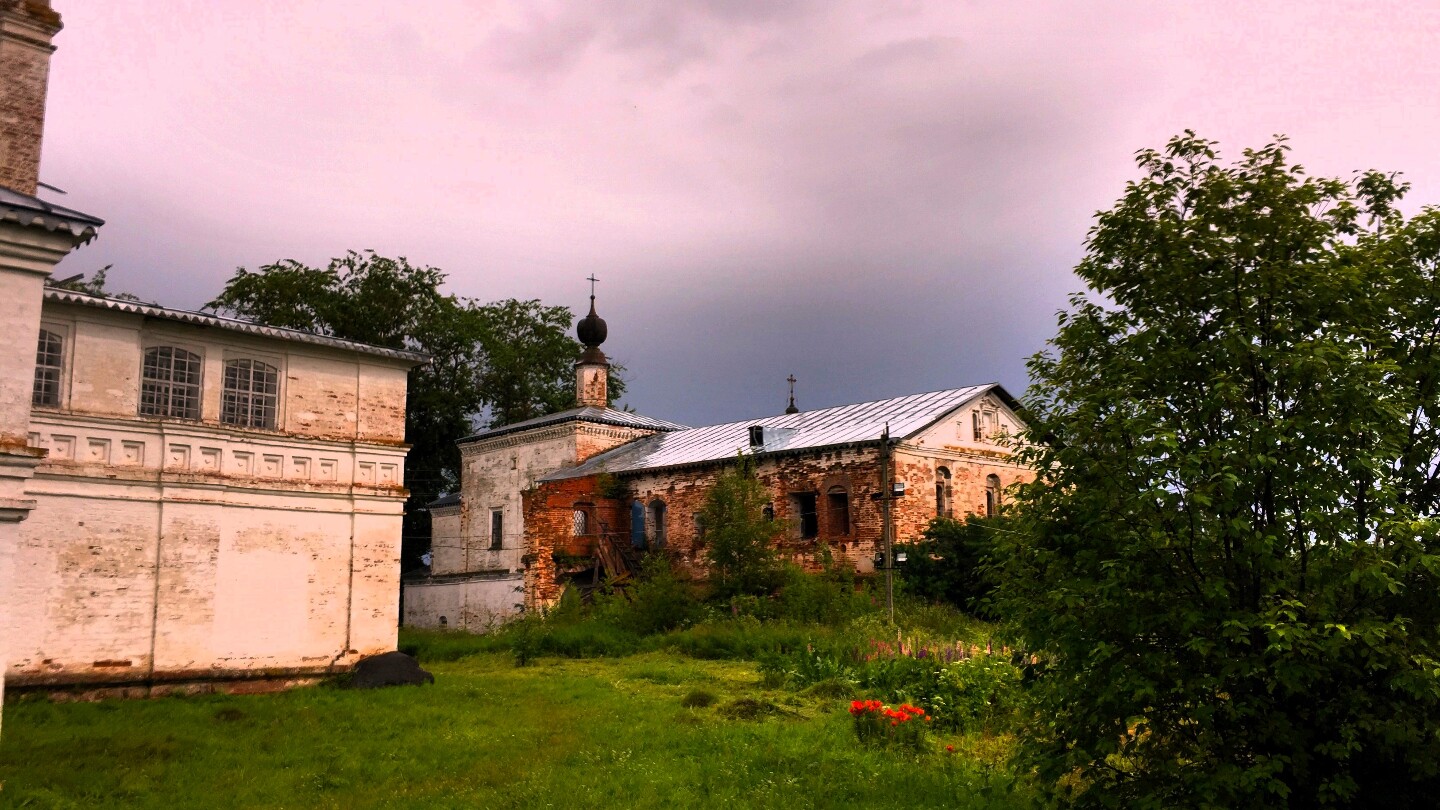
column 166, row 550
column 856, row 470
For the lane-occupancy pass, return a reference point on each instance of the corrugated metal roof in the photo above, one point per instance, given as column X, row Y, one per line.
column 27, row 210
column 589, row 413
column 827, row 427
column 232, row 324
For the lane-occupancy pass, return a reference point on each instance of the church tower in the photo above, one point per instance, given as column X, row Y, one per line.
column 592, row 372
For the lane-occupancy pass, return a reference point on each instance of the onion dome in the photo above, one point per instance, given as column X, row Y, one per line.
column 591, row 331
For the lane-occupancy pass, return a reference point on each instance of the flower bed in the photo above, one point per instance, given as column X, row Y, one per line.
column 878, row 724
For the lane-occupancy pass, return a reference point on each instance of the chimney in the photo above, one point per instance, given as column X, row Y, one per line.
column 26, row 28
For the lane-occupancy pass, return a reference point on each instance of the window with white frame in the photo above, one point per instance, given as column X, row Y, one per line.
column 251, row 394
column 49, row 361
column 170, row 383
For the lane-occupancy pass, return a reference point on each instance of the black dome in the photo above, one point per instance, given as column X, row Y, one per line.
column 591, row 328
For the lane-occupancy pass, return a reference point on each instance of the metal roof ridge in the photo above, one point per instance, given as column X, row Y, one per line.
column 222, row 322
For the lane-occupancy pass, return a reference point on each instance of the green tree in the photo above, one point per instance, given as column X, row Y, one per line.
column 739, row 538
column 1227, row 564
column 510, row 359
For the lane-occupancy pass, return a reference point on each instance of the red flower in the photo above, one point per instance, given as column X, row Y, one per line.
column 949, row 749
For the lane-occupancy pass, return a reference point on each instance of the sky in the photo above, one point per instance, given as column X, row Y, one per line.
column 881, row 198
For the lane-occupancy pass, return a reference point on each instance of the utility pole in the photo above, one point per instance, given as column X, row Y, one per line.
column 887, row 495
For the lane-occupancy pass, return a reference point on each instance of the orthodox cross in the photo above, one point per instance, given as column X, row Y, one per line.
column 792, row 408
column 592, row 281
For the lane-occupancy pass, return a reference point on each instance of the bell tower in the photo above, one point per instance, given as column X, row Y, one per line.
column 592, row 372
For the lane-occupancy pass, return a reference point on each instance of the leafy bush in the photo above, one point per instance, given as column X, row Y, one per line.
column 656, row 603
column 951, row 563
column 828, row 597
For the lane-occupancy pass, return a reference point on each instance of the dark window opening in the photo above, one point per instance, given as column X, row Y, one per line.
column 838, row 502
column 657, row 523
column 992, row 495
column 48, row 362
column 942, row 493
column 805, row 508
column 497, row 528
column 768, row 511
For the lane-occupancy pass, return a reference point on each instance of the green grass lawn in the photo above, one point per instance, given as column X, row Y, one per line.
column 560, row 733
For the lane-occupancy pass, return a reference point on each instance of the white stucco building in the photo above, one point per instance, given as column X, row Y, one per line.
column 218, row 500
column 186, row 502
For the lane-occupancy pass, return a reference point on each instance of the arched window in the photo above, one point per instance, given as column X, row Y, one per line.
column 170, row 383
column 49, row 359
column 837, row 505
column 581, row 521
column 992, row 495
column 657, row 523
column 250, row 395
column 942, row 493
column 637, row 524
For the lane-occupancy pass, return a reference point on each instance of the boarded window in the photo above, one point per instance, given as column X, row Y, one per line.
column 497, row 528
column 250, row 395
column 837, row 502
column 170, row 383
column 49, row 359
column 637, row 524
column 804, row 504
column 992, row 495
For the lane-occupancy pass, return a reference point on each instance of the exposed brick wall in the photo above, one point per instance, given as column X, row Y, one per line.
column 26, row 27
column 855, row 471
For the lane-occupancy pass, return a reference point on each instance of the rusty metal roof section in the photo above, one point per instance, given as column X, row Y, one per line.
column 828, row 427
column 588, row 413
column 29, row 211
column 61, row 296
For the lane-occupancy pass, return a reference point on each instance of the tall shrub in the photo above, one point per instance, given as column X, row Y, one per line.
column 1228, row 567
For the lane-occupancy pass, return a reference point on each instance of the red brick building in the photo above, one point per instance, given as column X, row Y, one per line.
column 570, row 496
column 821, row 469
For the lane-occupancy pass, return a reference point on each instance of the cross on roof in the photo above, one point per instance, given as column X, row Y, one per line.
column 592, row 281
